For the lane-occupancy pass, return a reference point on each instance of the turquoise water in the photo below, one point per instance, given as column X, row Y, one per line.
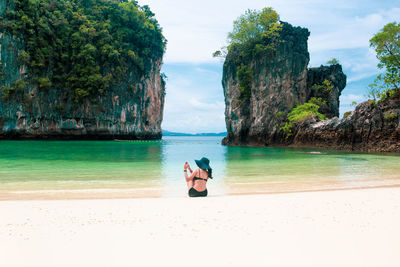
column 156, row 167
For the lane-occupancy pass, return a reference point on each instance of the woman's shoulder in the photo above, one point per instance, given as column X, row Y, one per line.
column 202, row 172
column 197, row 171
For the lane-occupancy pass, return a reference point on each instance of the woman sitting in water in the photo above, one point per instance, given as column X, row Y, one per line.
column 198, row 178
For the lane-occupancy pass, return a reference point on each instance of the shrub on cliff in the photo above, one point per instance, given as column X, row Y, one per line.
column 325, row 87
column 245, row 77
column 332, row 61
column 346, row 114
column 84, row 46
column 300, row 113
column 19, row 85
column 7, row 92
column 44, row 84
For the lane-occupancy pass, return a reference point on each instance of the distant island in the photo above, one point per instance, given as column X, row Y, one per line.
column 168, row 133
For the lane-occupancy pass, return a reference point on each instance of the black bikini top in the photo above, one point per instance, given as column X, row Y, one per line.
column 198, row 178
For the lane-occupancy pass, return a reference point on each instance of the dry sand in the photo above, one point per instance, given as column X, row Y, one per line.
column 329, row 228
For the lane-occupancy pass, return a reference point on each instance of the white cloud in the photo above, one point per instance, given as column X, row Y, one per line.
column 194, row 104
column 352, row 32
column 219, row 105
column 195, row 29
column 346, row 102
column 195, row 120
column 359, row 77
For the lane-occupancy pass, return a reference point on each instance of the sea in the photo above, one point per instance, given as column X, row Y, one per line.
column 129, row 169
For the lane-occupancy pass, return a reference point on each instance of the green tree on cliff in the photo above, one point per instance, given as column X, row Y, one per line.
column 332, row 61
column 254, row 31
column 387, row 46
column 253, row 24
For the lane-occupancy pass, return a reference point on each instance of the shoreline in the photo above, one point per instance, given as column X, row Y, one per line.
column 327, row 148
column 149, row 193
column 357, row 228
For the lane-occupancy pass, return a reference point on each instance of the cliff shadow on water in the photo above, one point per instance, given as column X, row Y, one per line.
column 80, row 70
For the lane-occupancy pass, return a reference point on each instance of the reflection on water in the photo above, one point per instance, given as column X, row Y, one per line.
column 155, row 168
column 78, row 164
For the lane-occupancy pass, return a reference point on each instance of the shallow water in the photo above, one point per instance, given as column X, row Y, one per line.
column 154, row 168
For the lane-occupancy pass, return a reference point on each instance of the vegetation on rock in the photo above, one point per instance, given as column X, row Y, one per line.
column 300, row 113
column 7, row 92
column 325, row 87
column 252, row 25
column 255, row 33
column 387, row 46
column 83, row 46
column 265, row 92
column 332, row 61
column 390, row 116
column 346, row 114
column 245, row 77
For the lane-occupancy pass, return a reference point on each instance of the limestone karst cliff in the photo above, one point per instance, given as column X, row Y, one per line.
column 70, row 71
column 280, row 81
column 333, row 74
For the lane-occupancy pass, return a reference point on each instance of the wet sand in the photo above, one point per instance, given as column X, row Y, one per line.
column 325, row 228
column 215, row 190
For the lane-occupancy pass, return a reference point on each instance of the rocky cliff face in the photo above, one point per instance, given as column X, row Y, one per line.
column 331, row 73
column 281, row 81
column 370, row 127
column 131, row 110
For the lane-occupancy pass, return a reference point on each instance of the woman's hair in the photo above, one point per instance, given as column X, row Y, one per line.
column 209, row 171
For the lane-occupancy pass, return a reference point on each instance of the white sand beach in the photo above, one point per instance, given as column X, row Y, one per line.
column 326, row 228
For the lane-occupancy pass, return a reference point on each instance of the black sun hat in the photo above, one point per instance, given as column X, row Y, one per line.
column 203, row 163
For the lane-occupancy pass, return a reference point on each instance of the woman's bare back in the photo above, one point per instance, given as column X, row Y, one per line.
column 200, row 185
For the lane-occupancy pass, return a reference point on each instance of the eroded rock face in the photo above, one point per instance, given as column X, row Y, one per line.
column 335, row 75
column 370, row 128
column 132, row 110
column 280, row 82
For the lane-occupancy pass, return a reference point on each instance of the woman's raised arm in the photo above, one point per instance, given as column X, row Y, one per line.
column 186, row 167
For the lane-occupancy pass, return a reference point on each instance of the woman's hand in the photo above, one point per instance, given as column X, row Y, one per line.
column 188, row 166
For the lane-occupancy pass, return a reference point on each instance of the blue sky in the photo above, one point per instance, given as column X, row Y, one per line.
column 195, row 29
